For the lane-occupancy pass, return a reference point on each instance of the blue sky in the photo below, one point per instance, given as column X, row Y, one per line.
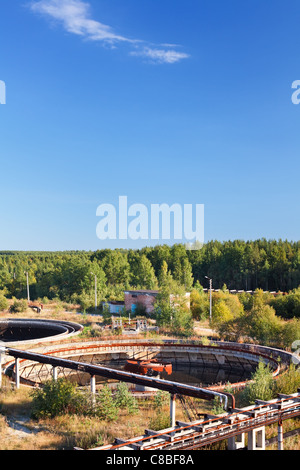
column 180, row 101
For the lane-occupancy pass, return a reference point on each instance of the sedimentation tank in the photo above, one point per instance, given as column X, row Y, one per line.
column 192, row 362
column 29, row 331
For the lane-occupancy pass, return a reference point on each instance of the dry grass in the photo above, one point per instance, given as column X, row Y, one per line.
column 290, row 443
column 67, row 432
column 19, row 432
column 62, row 432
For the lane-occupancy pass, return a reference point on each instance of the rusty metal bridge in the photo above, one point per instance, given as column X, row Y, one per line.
column 231, row 426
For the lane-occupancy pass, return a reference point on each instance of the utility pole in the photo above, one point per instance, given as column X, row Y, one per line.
column 28, row 295
column 210, row 297
column 96, row 301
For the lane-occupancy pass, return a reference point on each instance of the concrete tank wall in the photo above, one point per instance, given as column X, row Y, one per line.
column 221, row 355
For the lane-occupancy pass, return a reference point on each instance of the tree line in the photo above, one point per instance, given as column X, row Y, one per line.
column 270, row 265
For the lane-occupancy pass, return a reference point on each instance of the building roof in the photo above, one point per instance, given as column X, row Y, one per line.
column 142, row 291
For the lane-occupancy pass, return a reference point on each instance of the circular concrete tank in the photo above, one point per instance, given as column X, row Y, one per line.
column 14, row 332
column 190, row 360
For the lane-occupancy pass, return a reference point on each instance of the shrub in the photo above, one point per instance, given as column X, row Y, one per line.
column 262, row 325
column 217, row 406
column 287, row 306
column 262, row 387
column 290, row 332
column 160, row 421
column 182, row 322
column 289, row 382
column 55, row 398
column 124, row 399
column 105, row 406
column 18, row 306
column 62, row 397
column 161, row 399
column 199, row 304
column 3, row 303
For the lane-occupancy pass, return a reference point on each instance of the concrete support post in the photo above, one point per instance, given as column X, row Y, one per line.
column 236, row 442
column 172, row 410
column 0, row 370
column 257, row 439
column 17, row 372
column 93, row 388
column 54, row 373
column 93, row 384
column 280, row 435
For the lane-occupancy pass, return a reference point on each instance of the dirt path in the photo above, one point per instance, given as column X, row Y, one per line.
column 17, row 427
column 17, row 435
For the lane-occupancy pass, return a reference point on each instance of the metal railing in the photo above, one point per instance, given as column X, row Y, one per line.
column 214, row 428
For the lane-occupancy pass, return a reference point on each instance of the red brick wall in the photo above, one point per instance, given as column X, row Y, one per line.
column 146, row 301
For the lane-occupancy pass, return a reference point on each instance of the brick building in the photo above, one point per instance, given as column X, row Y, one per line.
column 145, row 299
column 142, row 298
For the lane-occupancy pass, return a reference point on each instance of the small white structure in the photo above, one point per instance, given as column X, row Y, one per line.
column 115, row 306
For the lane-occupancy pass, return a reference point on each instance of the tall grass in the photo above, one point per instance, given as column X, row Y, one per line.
column 264, row 387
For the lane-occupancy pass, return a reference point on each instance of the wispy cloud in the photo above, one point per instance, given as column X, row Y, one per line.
column 76, row 18
column 160, row 55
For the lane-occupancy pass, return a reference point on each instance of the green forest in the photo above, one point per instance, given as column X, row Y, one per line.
column 269, row 265
column 269, row 314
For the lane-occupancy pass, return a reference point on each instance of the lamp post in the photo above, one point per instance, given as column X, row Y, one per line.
column 210, row 297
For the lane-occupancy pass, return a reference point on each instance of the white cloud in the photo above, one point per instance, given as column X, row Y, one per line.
column 75, row 16
column 161, row 55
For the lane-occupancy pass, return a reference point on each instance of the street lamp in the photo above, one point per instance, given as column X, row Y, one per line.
column 210, row 298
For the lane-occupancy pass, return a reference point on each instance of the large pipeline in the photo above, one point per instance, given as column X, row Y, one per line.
column 174, row 388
